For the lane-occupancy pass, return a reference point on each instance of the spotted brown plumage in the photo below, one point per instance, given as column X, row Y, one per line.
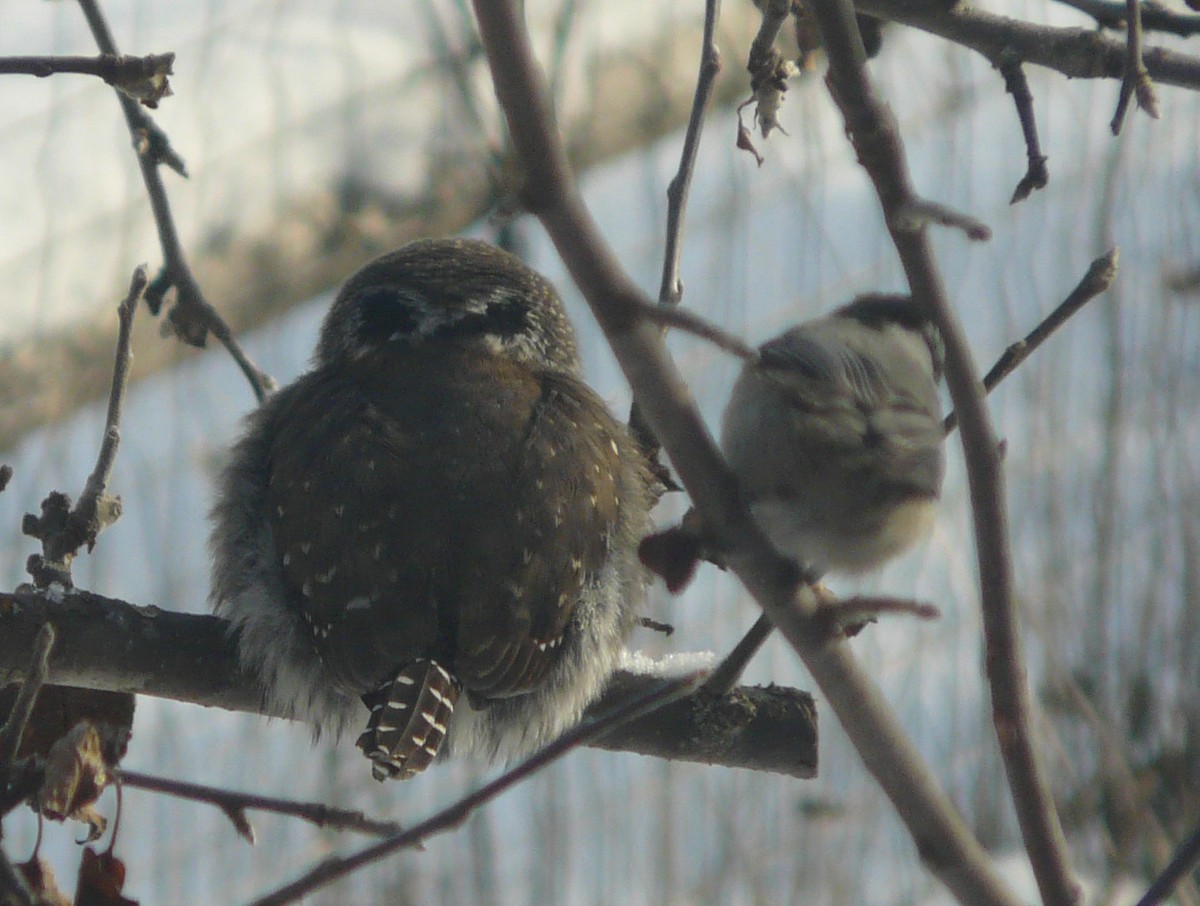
column 441, row 494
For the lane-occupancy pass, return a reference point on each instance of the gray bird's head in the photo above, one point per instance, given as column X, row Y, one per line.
column 884, row 311
column 450, row 291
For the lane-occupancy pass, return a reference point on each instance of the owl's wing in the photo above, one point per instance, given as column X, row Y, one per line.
column 549, row 548
column 348, row 526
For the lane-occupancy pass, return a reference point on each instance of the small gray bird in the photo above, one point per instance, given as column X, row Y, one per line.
column 440, row 506
column 835, row 434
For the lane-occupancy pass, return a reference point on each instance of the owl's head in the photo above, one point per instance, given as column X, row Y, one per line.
column 450, row 292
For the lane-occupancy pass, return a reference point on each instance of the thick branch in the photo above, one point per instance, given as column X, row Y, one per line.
column 873, row 131
column 1074, row 52
column 109, row 644
column 1155, row 16
column 940, row 833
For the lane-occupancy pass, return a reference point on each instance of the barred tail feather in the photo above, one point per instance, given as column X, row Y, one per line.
column 409, row 717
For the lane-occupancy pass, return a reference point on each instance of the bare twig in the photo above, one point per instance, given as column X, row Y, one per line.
column 1136, row 81
column 670, row 290
column 913, row 213
column 1155, row 16
column 670, row 287
column 1099, row 277
column 839, row 617
column 698, row 326
column 875, row 136
column 142, row 78
column 61, row 528
column 97, row 482
column 234, row 804
column 1036, row 176
column 1186, row 858
column 727, row 674
column 22, row 709
column 773, row 580
column 192, row 318
column 864, row 607
column 454, row 815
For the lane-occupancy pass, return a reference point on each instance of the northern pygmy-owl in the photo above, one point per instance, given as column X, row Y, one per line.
column 440, row 506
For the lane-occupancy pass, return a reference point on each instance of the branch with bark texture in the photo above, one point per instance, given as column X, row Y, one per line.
column 142, row 78
column 875, row 135
column 1077, row 53
column 108, row 644
column 192, row 318
column 943, row 839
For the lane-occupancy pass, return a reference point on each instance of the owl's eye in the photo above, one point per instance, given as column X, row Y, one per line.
column 387, row 313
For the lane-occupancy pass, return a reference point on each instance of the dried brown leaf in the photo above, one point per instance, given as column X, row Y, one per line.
column 77, row 771
column 101, row 880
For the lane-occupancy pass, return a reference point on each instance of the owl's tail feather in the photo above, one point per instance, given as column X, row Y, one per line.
column 409, row 717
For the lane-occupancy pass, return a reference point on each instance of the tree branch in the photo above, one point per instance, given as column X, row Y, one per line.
column 942, row 838
column 18, row 718
column 1074, row 52
column 108, row 644
column 873, row 132
column 1036, row 176
column 1099, row 277
column 142, row 78
column 1155, row 16
column 192, row 318
column 591, row 728
column 234, row 804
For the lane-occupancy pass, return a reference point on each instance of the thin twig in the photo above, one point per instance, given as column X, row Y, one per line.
column 875, row 135
column 1136, row 81
column 861, row 607
column 838, row 615
column 670, row 290
column 22, row 710
column 1182, row 864
column 913, row 213
column 455, row 814
column 727, row 674
column 698, row 326
column 142, row 78
column 234, row 805
column 1036, row 176
column 1155, row 16
column 97, row 482
column 193, row 318
column 1099, row 277
column 63, row 532
column 670, row 286
column 774, row 581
